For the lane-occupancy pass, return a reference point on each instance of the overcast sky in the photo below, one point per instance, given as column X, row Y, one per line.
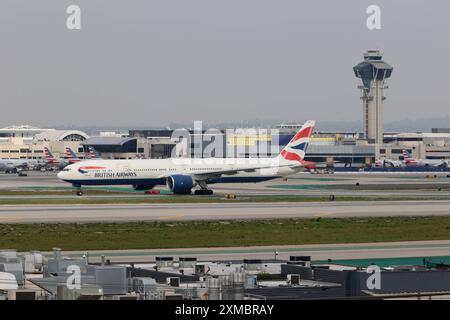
column 154, row 62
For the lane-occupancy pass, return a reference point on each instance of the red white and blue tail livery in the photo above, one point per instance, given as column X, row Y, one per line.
column 407, row 159
column 73, row 158
column 93, row 154
column 296, row 148
column 49, row 156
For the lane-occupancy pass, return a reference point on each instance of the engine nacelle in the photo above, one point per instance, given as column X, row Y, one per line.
column 143, row 186
column 180, row 184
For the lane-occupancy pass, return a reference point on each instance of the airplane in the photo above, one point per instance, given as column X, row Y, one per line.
column 388, row 163
column 14, row 165
column 71, row 156
column 181, row 175
column 423, row 162
column 93, row 154
column 52, row 162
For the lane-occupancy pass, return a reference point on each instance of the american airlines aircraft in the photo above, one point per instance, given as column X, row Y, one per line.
column 93, row 154
column 71, row 156
column 13, row 165
column 181, row 175
column 424, row 162
column 53, row 162
column 389, row 163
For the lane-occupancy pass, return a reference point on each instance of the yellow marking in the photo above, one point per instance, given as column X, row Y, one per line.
column 9, row 219
column 171, row 217
column 324, row 214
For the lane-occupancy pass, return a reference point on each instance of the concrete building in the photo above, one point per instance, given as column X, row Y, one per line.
column 373, row 72
column 26, row 142
column 116, row 147
column 25, row 132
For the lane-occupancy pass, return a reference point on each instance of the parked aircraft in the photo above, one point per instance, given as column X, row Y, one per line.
column 423, row 162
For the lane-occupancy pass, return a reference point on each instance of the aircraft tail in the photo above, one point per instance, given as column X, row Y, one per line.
column 296, row 148
column 49, row 156
column 405, row 154
column 71, row 155
column 93, row 154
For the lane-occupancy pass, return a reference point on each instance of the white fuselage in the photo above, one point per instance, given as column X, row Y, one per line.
column 11, row 164
column 156, row 171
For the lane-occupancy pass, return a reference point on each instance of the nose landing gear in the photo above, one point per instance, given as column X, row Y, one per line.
column 78, row 191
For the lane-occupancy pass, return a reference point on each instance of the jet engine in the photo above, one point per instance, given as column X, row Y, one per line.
column 180, row 184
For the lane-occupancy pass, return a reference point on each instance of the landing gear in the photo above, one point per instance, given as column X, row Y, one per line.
column 203, row 189
column 203, row 192
column 79, row 192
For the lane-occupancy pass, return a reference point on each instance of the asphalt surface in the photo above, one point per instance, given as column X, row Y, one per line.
column 218, row 211
column 303, row 184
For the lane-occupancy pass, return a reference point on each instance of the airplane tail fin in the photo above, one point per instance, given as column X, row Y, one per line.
column 296, row 148
column 406, row 156
column 93, row 154
column 71, row 155
column 48, row 155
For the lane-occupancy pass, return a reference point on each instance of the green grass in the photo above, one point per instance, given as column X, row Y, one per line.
column 149, row 199
column 150, row 235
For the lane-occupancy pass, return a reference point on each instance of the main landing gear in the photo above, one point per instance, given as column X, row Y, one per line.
column 203, row 190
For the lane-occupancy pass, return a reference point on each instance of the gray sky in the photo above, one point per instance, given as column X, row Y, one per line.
column 153, row 62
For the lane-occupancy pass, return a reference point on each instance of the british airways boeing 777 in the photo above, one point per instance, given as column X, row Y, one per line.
column 181, row 175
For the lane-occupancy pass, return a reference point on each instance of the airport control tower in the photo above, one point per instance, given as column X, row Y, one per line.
column 373, row 71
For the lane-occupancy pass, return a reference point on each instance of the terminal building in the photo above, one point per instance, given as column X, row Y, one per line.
column 340, row 148
column 27, row 142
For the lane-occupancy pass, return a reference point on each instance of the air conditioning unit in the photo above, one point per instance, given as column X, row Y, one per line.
column 8, row 281
column 173, row 281
column 293, row 279
column 143, row 285
column 200, row 269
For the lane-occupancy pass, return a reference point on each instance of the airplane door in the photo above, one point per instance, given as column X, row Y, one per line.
column 123, row 169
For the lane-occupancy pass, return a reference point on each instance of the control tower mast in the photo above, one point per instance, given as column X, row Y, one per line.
column 373, row 72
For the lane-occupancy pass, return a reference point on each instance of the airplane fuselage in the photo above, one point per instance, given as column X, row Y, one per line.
column 156, row 171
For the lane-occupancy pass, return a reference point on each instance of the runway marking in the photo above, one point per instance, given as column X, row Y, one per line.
column 324, row 214
column 2, row 220
column 171, row 217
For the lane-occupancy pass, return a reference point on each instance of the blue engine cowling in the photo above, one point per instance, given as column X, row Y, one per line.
column 180, row 184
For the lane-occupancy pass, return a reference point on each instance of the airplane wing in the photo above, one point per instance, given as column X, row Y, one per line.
column 208, row 174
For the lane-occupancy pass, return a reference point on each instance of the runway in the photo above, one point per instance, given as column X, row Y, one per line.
column 218, row 211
